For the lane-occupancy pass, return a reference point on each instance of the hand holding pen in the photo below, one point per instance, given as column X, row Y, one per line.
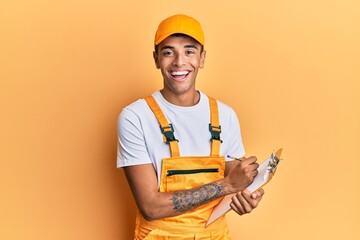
column 242, row 173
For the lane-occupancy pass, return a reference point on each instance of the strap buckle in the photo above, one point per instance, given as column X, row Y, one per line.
column 215, row 132
column 168, row 132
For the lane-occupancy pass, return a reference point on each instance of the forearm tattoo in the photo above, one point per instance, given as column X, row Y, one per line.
column 186, row 200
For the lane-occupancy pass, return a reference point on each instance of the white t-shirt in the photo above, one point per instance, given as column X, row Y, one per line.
column 140, row 140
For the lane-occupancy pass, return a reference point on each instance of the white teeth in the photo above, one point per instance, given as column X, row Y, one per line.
column 178, row 73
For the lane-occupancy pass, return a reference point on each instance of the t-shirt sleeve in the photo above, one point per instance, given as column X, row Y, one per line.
column 236, row 147
column 131, row 148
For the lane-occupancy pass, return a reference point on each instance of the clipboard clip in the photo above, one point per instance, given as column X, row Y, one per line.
column 271, row 168
column 274, row 161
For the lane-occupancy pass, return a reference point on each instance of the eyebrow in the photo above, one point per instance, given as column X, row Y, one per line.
column 191, row 46
column 186, row 46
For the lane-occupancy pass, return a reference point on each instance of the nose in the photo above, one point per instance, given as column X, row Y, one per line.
column 179, row 60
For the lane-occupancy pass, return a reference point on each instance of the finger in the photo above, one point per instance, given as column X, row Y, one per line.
column 246, row 201
column 258, row 193
column 253, row 203
column 236, row 205
column 254, row 166
column 250, row 160
column 236, row 209
column 246, row 195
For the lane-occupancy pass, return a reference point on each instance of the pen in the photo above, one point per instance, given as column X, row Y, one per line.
column 235, row 158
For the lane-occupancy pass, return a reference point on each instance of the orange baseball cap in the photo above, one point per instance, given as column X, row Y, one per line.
column 179, row 24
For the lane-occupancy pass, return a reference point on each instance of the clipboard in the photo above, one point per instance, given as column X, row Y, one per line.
column 266, row 171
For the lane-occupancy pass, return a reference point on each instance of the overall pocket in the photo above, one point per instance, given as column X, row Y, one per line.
column 184, row 173
column 172, row 172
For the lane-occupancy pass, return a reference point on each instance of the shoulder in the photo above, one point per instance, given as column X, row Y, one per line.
column 224, row 109
column 136, row 106
column 135, row 117
column 135, row 110
column 224, row 106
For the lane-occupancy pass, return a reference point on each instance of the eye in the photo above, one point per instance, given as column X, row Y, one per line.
column 189, row 52
column 167, row 53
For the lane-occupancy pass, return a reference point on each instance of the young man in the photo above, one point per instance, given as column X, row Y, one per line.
column 172, row 146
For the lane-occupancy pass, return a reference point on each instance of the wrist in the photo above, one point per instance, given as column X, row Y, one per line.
column 227, row 187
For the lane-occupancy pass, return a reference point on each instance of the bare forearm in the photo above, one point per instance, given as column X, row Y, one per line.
column 183, row 201
column 171, row 204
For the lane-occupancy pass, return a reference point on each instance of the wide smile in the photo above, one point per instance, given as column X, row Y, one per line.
column 179, row 75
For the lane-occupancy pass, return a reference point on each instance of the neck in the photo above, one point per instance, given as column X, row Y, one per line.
column 183, row 100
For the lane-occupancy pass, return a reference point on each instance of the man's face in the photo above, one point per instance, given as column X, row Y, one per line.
column 179, row 58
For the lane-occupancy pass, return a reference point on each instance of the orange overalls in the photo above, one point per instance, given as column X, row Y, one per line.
column 182, row 173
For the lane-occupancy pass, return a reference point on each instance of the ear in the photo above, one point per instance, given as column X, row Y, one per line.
column 156, row 59
column 202, row 58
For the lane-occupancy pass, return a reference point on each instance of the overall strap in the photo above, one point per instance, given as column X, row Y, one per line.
column 214, row 128
column 166, row 128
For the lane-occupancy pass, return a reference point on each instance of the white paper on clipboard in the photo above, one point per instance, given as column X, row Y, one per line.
column 266, row 171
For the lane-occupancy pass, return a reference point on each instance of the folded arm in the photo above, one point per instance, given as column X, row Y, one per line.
column 156, row 205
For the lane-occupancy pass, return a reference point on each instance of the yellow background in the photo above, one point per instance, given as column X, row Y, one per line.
column 290, row 69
